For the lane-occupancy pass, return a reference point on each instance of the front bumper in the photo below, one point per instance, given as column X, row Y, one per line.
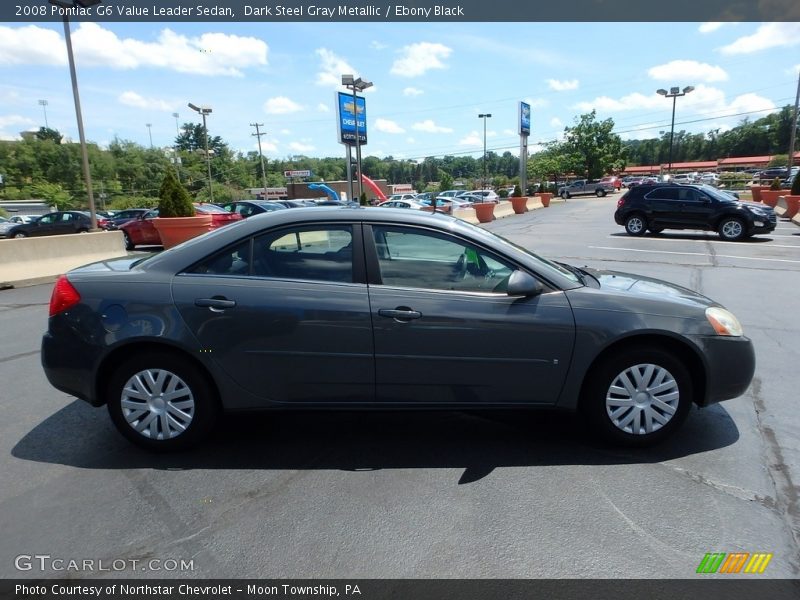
column 730, row 365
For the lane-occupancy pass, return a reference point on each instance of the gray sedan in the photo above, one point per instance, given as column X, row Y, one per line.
column 339, row 308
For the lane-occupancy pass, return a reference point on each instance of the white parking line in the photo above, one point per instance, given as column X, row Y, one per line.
column 783, row 260
column 751, row 244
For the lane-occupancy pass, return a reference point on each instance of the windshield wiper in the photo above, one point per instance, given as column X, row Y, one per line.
column 574, row 270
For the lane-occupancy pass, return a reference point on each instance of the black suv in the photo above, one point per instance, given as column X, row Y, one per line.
column 674, row 206
column 54, row 223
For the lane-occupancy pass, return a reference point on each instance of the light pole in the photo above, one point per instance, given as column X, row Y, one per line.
column 484, row 116
column 73, row 4
column 357, row 85
column 177, row 127
column 150, row 133
column 258, row 134
column 674, row 93
column 43, row 104
column 794, row 131
column 205, row 110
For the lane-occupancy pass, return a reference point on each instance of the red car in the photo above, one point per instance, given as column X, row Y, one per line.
column 142, row 232
column 613, row 180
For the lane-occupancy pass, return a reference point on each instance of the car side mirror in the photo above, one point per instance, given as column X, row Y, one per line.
column 522, row 284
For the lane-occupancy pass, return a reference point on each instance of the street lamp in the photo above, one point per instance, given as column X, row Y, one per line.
column 43, row 104
column 484, row 116
column 205, row 110
column 150, row 132
column 674, row 93
column 356, row 85
column 72, row 4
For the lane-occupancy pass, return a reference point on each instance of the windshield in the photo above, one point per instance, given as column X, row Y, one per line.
column 716, row 194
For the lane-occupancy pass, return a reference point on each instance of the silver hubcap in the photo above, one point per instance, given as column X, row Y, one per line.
column 642, row 399
column 635, row 225
column 157, row 404
column 732, row 229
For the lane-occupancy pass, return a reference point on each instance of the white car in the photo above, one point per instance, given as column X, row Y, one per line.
column 395, row 197
column 23, row 219
column 488, row 195
column 412, row 204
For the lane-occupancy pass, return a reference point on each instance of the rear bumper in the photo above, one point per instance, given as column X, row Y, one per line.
column 65, row 361
column 730, row 365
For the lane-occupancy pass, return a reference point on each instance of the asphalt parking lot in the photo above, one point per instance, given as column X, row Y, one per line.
column 445, row 494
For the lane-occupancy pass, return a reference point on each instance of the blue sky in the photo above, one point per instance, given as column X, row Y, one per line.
column 431, row 80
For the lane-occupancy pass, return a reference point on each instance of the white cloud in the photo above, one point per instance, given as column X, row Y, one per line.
column 332, row 67
column 135, row 100
column 281, row 105
column 416, row 59
column 471, row 139
column 301, row 147
column 430, row 127
column 410, row 140
column 412, row 91
column 209, row 54
column 509, row 132
column 634, row 101
column 768, row 35
column 323, row 107
column 376, row 45
column 556, row 123
column 286, row 131
column 387, row 126
column 14, row 122
column 562, row 86
column 687, row 70
column 709, row 26
column 536, row 102
column 268, row 147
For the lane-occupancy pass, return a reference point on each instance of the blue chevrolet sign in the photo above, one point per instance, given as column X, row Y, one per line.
column 524, row 118
column 347, row 119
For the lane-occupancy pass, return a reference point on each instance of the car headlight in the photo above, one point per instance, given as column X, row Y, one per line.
column 723, row 321
column 757, row 210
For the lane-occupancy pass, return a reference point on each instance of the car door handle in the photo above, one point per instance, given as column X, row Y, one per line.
column 401, row 313
column 215, row 304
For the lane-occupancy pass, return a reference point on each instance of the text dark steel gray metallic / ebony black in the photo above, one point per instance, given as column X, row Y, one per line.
column 411, row 11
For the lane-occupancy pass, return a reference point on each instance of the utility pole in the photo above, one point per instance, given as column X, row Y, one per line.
column 794, row 130
column 258, row 135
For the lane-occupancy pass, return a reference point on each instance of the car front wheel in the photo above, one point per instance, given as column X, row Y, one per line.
column 129, row 245
column 600, row 193
column 635, row 225
column 638, row 397
column 161, row 402
column 732, row 229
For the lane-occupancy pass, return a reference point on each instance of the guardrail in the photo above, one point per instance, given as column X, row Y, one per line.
column 37, row 259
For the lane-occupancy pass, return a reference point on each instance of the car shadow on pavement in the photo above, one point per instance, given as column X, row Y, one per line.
column 698, row 237
column 477, row 441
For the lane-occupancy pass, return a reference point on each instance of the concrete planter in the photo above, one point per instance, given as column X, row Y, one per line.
column 176, row 230
column 520, row 204
column 770, row 197
column 792, row 206
column 756, row 191
column 484, row 211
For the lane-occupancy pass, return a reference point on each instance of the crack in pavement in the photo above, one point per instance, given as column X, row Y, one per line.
column 787, row 494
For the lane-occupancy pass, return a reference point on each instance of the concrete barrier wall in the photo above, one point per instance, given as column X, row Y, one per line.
column 466, row 214
column 534, row 203
column 38, row 258
column 503, row 209
column 781, row 208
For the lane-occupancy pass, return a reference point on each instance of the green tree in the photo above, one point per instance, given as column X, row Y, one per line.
column 174, row 200
column 594, row 146
column 445, row 181
column 45, row 133
column 53, row 193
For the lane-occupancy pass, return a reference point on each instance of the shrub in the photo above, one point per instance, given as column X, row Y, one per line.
column 362, row 200
column 775, row 185
column 517, row 191
column 795, row 191
column 503, row 193
column 174, row 200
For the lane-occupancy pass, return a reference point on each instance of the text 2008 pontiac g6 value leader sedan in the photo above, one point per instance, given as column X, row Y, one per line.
column 381, row 308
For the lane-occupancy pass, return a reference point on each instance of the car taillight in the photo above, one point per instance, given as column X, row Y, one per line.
column 64, row 296
column 621, row 201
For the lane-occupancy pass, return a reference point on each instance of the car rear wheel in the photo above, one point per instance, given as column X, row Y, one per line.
column 161, row 402
column 732, row 229
column 600, row 193
column 635, row 225
column 565, row 195
column 20, row 234
column 638, row 397
column 129, row 245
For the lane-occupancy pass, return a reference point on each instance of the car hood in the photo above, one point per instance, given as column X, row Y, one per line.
column 763, row 207
column 648, row 287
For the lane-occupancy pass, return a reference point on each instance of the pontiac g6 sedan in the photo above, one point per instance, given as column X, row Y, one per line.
column 333, row 308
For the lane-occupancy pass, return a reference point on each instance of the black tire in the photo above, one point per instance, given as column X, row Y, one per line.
column 732, row 229
column 129, row 245
column 193, row 387
column 600, row 391
column 600, row 193
column 636, row 225
column 20, row 235
column 565, row 195
column 83, row 231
